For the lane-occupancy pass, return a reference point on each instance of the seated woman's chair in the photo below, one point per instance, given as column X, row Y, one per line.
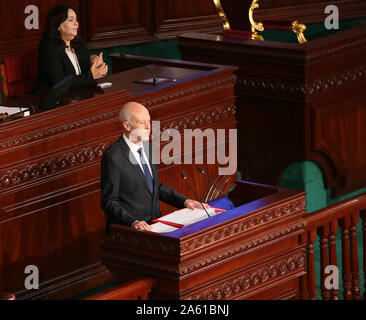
column 19, row 78
column 238, row 21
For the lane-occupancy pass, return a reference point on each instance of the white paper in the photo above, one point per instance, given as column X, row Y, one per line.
column 187, row 216
column 162, row 228
column 14, row 110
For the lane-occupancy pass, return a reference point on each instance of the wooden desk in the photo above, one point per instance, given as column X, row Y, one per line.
column 50, row 213
column 250, row 252
column 296, row 103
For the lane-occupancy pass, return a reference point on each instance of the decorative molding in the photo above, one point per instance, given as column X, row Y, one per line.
column 336, row 80
column 186, row 92
column 252, row 279
column 240, row 50
column 203, row 118
column 264, row 241
column 279, row 88
column 278, row 53
column 51, row 166
column 336, row 50
column 220, row 113
column 298, row 89
column 57, row 130
column 245, row 225
column 150, row 244
column 133, row 262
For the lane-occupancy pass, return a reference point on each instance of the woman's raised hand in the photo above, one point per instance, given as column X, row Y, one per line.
column 98, row 71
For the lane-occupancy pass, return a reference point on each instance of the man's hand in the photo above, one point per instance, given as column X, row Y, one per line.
column 193, row 204
column 4, row 116
column 141, row 226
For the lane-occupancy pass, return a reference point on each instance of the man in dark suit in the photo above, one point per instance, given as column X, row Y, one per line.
column 130, row 186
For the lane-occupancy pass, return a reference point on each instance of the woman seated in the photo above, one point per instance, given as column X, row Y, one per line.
column 64, row 61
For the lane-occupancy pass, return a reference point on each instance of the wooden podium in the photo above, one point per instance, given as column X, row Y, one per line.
column 50, row 214
column 253, row 251
column 296, row 103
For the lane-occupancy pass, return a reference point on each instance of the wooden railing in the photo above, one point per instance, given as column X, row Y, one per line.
column 133, row 290
column 325, row 223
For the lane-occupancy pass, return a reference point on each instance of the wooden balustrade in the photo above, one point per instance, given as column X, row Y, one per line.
column 324, row 223
column 134, row 290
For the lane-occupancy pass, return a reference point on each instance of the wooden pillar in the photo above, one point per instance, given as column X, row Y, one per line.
column 323, row 233
column 311, row 236
column 363, row 217
column 333, row 253
column 354, row 257
column 346, row 261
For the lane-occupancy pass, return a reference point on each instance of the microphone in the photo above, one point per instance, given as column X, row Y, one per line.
column 183, row 175
column 212, row 183
column 154, row 80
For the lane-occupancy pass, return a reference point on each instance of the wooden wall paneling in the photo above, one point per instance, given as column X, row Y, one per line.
column 117, row 23
column 306, row 99
column 307, row 11
column 14, row 37
column 173, row 17
column 50, row 214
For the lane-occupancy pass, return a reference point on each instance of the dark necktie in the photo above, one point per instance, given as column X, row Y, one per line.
column 146, row 171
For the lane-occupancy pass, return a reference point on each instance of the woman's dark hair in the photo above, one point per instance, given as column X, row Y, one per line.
column 55, row 17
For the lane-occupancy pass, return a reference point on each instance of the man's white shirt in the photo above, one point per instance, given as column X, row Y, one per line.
column 134, row 149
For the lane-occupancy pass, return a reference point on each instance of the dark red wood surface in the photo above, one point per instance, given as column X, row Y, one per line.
column 50, row 214
column 296, row 103
column 253, row 255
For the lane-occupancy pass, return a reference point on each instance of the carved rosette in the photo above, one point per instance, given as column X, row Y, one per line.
column 223, row 257
column 253, row 278
column 51, row 166
column 242, row 226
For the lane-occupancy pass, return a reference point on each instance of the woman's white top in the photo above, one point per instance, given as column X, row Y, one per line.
column 74, row 60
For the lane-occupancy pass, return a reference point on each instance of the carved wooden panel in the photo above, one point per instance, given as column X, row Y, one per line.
column 175, row 17
column 296, row 103
column 339, row 134
column 50, row 213
column 307, row 11
column 115, row 23
column 241, row 256
column 14, row 37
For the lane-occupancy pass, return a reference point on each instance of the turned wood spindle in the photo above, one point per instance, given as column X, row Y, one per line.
column 323, row 233
column 346, row 261
column 363, row 217
column 333, row 253
column 354, row 257
column 311, row 265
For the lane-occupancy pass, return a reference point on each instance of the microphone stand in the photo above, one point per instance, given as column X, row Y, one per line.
column 183, row 175
column 154, row 79
column 212, row 183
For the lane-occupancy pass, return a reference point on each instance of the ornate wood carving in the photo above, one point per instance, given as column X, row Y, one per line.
column 314, row 91
column 244, row 225
column 47, row 167
column 252, row 278
column 49, row 174
column 235, row 252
